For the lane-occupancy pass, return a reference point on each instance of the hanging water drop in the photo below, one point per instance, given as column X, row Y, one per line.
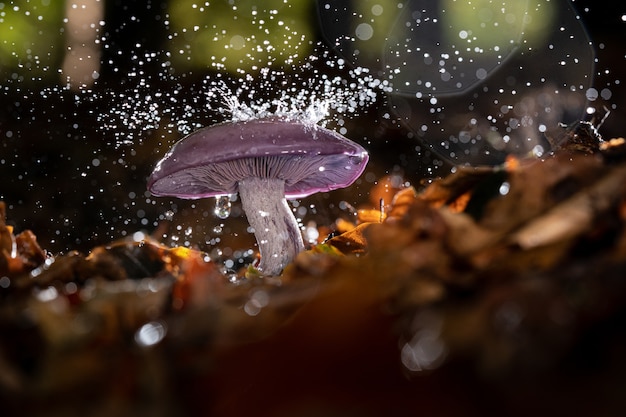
column 222, row 206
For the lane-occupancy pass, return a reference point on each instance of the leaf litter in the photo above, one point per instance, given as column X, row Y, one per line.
column 507, row 271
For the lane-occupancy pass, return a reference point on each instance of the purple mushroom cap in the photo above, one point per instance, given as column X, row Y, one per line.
column 210, row 162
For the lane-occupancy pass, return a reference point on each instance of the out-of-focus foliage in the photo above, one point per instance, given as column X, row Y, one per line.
column 491, row 27
column 373, row 18
column 222, row 35
column 203, row 35
column 31, row 39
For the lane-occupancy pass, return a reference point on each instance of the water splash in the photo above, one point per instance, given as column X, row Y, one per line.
column 268, row 66
column 305, row 92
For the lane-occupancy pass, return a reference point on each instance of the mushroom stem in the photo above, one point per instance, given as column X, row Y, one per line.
column 275, row 227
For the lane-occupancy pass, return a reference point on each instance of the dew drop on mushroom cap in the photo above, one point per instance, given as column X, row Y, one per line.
column 265, row 161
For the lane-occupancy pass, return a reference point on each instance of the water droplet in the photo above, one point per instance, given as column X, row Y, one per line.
column 150, row 334
column 222, row 206
column 355, row 160
column 5, row 282
column 235, row 279
column 504, row 188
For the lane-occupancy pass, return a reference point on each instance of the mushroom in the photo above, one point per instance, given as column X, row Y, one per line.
column 265, row 161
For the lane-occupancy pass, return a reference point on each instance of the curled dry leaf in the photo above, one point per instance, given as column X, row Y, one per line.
column 18, row 254
column 352, row 241
column 576, row 215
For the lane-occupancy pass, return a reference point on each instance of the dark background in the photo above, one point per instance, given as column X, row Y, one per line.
column 66, row 180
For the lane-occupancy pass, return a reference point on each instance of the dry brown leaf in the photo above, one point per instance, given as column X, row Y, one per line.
column 574, row 216
column 351, row 242
column 446, row 190
column 536, row 187
column 18, row 254
column 400, row 203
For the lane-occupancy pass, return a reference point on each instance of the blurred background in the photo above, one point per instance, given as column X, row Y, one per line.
column 94, row 92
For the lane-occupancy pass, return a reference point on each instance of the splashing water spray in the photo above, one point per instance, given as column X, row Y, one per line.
column 292, row 94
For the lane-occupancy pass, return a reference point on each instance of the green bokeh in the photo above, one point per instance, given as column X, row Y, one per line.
column 239, row 35
column 492, row 26
column 31, row 39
